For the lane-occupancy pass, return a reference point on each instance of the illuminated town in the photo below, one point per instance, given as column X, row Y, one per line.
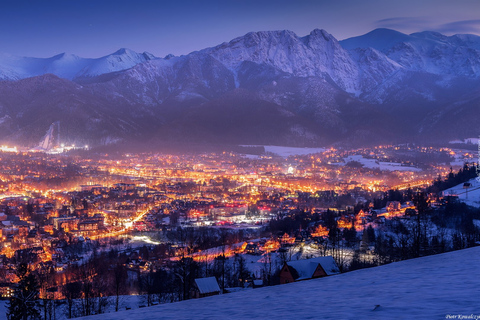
column 239, row 159
column 150, row 211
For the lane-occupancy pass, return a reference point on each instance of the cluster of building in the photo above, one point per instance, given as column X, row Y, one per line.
column 50, row 201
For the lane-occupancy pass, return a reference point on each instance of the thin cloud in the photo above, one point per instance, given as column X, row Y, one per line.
column 414, row 24
column 463, row 26
column 403, row 23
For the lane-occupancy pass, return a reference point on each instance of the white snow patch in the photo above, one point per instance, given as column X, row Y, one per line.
column 289, row 151
column 465, row 141
column 374, row 164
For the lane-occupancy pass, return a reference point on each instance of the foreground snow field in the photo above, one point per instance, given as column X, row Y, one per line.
column 431, row 287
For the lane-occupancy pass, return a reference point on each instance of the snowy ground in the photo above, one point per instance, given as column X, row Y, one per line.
column 468, row 140
column 470, row 196
column 132, row 302
column 373, row 164
column 3, row 309
column 461, row 157
column 425, row 288
column 290, row 151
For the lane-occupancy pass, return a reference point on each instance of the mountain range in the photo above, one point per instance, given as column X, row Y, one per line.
column 261, row 88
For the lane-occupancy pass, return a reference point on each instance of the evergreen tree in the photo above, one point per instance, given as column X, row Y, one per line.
column 23, row 304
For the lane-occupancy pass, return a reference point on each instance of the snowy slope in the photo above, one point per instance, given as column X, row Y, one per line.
column 318, row 54
column 381, row 165
column 470, row 196
column 290, row 151
column 426, row 51
column 69, row 66
column 424, row 288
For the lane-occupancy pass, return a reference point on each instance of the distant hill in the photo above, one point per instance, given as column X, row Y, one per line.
column 270, row 87
column 425, row 288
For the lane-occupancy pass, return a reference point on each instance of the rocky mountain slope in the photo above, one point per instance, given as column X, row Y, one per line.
column 263, row 87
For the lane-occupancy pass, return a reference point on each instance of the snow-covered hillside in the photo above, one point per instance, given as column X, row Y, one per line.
column 69, row 66
column 375, row 164
column 426, row 51
column 425, row 288
column 470, row 195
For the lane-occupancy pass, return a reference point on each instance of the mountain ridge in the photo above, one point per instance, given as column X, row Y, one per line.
column 384, row 84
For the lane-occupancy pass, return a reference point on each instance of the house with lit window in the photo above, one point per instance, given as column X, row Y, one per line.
column 299, row 270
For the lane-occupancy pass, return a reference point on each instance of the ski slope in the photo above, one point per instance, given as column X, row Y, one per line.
column 470, row 196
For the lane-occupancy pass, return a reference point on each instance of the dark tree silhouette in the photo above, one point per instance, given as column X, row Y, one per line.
column 23, row 303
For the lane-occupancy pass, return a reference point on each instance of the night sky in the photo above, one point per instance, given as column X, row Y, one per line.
column 96, row 28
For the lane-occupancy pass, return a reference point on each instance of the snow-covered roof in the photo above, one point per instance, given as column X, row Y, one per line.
column 306, row 268
column 207, row 285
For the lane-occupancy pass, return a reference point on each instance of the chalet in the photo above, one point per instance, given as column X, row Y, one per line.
column 6, row 290
column 205, row 287
column 252, row 248
column 308, row 269
column 393, row 206
column 286, row 239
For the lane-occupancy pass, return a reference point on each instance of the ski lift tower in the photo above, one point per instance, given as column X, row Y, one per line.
column 466, row 185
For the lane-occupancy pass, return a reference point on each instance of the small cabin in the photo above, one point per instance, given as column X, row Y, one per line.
column 205, row 287
column 308, row 269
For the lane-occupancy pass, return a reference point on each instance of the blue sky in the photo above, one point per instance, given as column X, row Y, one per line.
column 88, row 28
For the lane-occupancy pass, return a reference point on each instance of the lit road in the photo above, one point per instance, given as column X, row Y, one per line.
column 128, row 226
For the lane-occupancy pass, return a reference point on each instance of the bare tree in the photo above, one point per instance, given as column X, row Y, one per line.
column 72, row 292
column 119, row 282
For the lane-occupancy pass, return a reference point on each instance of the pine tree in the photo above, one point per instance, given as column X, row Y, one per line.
column 23, row 304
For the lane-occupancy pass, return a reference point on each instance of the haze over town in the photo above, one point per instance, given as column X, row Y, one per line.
column 152, row 153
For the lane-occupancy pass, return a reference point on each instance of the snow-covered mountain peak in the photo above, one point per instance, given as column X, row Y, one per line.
column 318, row 54
column 320, row 33
column 327, row 84
column 381, row 39
column 65, row 56
column 121, row 59
column 265, row 38
column 70, row 66
column 148, row 55
column 124, row 51
column 125, row 54
column 426, row 51
column 430, row 35
column 467, row 40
